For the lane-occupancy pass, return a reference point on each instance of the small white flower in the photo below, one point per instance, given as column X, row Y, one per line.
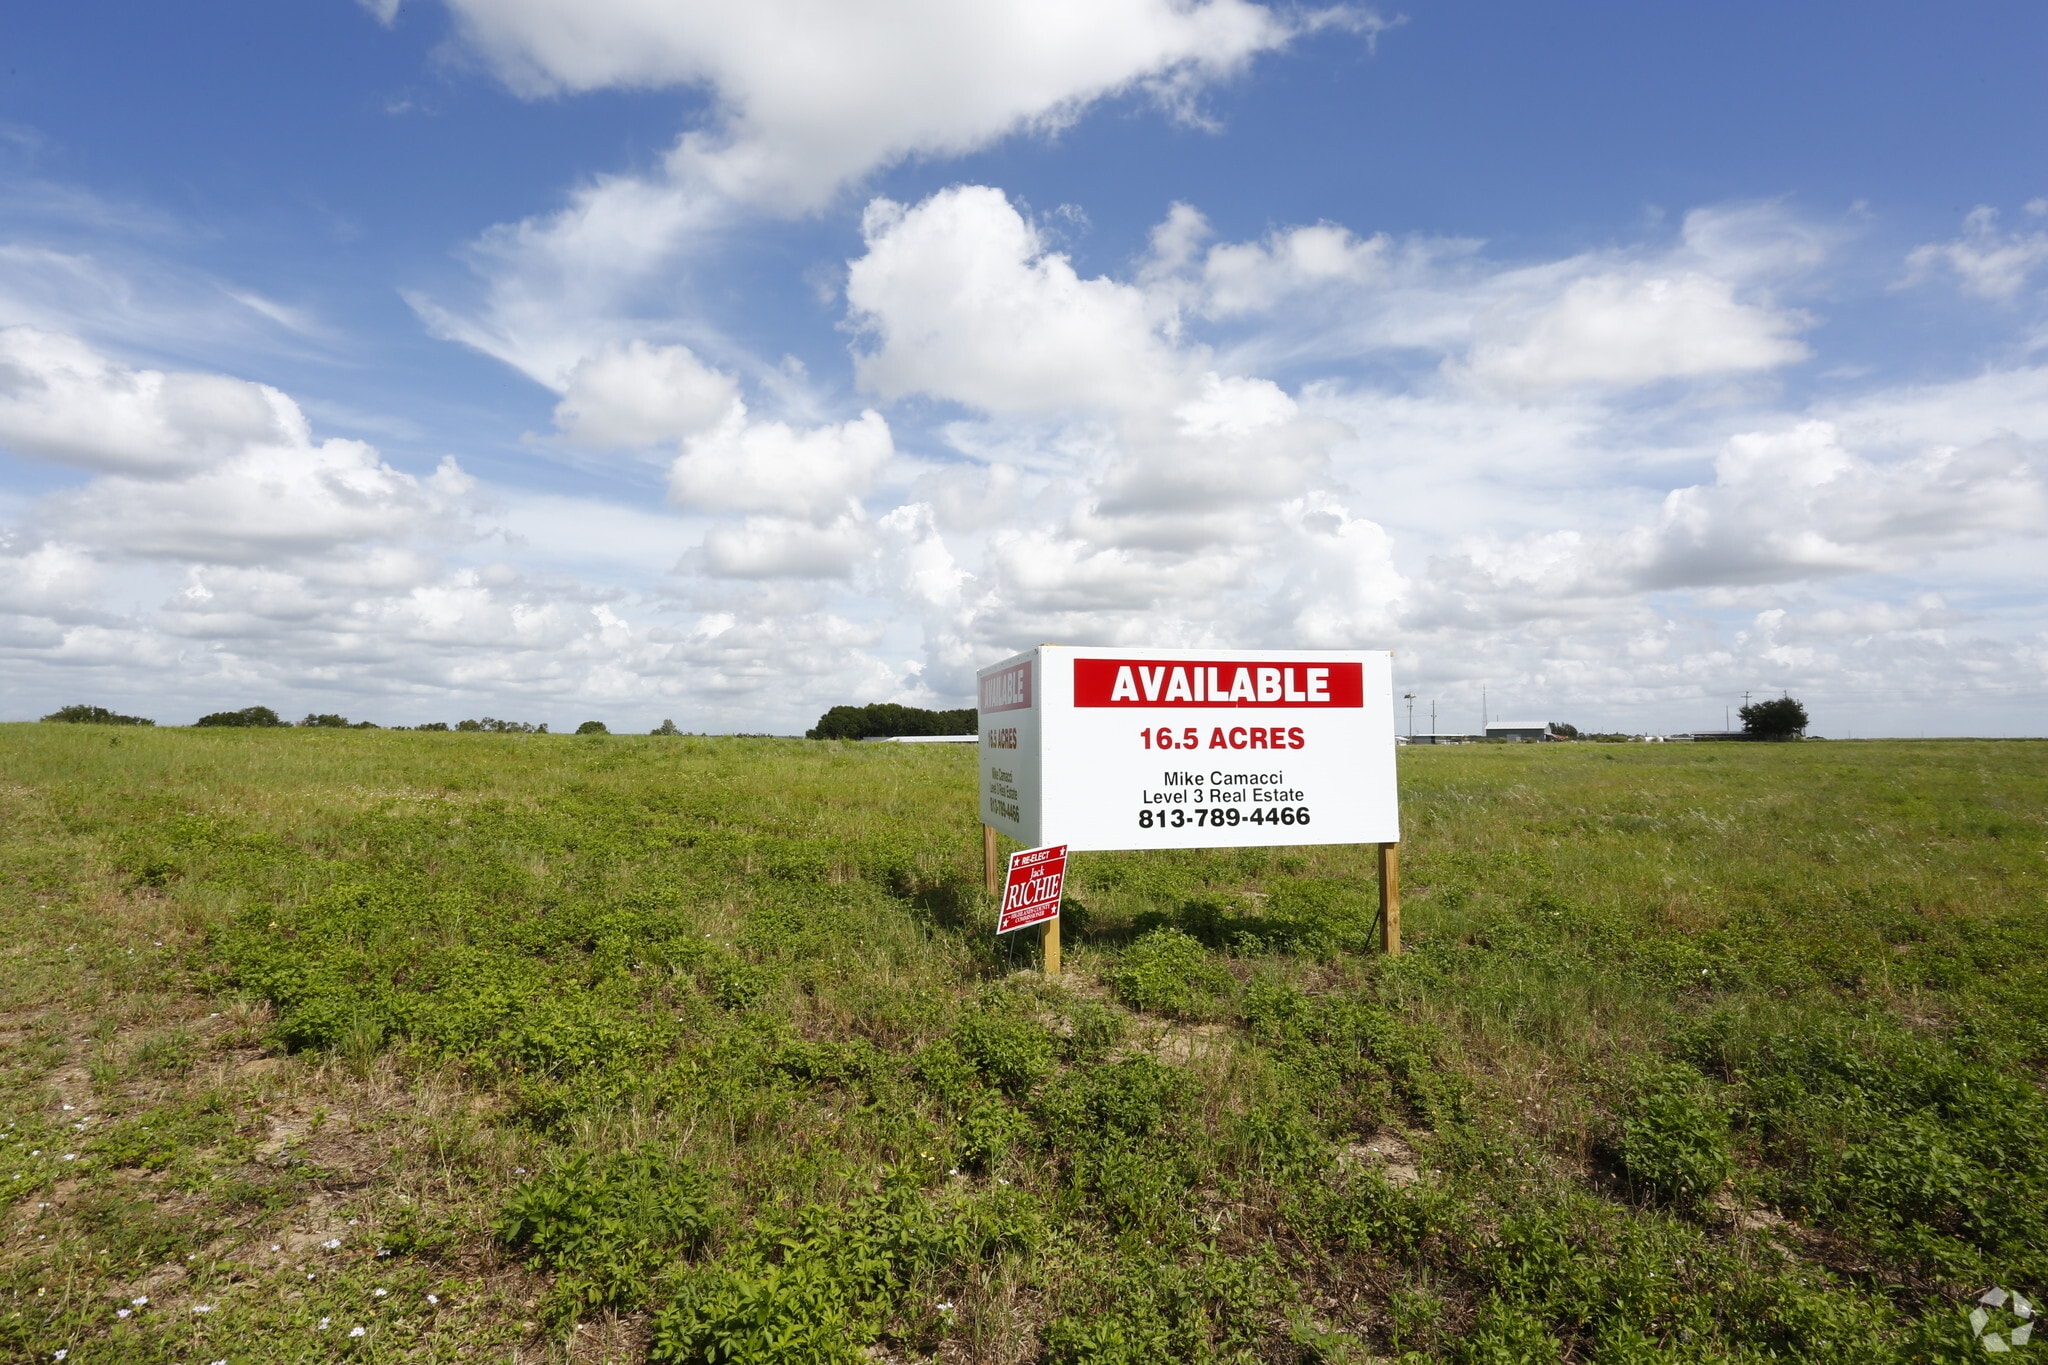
column 142, row 1302
column 331, row 1243
column 122, row 1312
column 61, row 1354
column 202, row 1308
column 38, row 1152
column 383, row 1251
column 351, row 1222
column 324, row 1322
column 355, row 1331
column 945, row 1307
column 67, row 1107
column 309, row 1277
column 379, row 1293
column 275, row 1247
column 954, row 1171
column 71, row 1156
column 433, row 1298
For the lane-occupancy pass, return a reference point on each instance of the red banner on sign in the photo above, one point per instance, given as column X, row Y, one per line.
column 1009, row 690
column 1170, row 682
column 1031, row 895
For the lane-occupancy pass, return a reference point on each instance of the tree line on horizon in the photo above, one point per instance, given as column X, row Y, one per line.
column 888, row 720
column 264, row 718
column 1776, row 719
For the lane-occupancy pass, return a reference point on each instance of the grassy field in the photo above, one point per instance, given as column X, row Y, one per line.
column 380, row 1047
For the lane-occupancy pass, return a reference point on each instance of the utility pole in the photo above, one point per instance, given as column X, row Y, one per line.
column 1482, row 710
column 1409, row 697
column 1432, row 718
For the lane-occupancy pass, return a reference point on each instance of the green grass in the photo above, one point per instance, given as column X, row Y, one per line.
column 701, row 1050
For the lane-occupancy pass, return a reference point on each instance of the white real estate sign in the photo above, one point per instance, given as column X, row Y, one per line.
column 1109, row 748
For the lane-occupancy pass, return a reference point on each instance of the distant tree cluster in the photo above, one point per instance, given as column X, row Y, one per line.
column 592, row 727
column 1558, row 727
column 491, row 725
column 1782, row 718
column 330, row 721
column 93, row 715
column 248, row 718
column 884, row 719
column 667, row 727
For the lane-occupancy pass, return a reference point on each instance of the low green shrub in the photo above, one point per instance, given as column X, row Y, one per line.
column 249, row 717
column 1672, row 1139
column 1092, row 1030
column 1169, row 972
column 1352, row 1059
column 92, row 715
column 819, row 1287
column 1135, row 1098
column 1011, row 1050
column 988, row 1131
column 608, row 1225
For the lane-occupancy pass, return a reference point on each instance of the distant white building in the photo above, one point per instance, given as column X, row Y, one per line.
column 1521, row 731
column 921, row 739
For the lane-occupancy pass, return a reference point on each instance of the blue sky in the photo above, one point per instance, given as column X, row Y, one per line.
column 631, row 359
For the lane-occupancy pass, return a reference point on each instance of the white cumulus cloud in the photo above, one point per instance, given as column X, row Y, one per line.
column 637, row 394
column 961, row 299
column 1629, row 328
column 807, row 97
column 780, row 547
column 1987, row 262
column 772, row 467
column 62, row 400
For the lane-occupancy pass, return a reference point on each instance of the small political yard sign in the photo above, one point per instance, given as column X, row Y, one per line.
column 1031, row 894
column 1118, row 748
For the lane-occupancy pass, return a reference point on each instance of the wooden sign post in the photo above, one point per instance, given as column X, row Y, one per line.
column 1390, row 898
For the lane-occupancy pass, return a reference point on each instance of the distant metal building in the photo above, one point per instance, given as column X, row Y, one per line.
column 1521, row 731
column 921, row 739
